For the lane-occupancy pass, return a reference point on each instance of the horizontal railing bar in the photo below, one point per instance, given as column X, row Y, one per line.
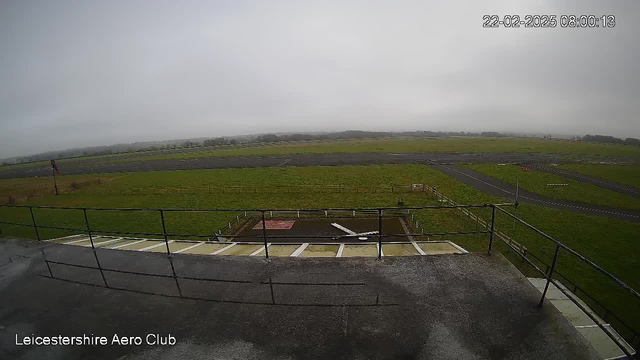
column 614, row 315
column 528, row 225
column 573, row 252
column 259, row 210
column 592, row 317
column 524, row 258
column 205, row 279
column 58, row 228
column 603, row 271
column 16, row 224
column 218, row 301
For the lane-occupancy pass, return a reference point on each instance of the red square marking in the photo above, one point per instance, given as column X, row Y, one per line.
column 275, row 225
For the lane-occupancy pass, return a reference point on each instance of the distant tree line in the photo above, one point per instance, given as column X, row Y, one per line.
column 275, row 138
column 611, row 140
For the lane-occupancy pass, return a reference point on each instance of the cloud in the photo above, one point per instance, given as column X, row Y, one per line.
column 77, row 73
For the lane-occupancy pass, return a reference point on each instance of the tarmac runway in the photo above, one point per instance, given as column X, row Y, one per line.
column 493, row 186
column 82, row 167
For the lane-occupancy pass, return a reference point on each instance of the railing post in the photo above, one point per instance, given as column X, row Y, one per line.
column 35, row 227
column 493, row 222
column 550, row 275
column 47, row 262
column 379, row 234
column 86, row 221
column 164, row 231
column 95, row 255
column 264, row 236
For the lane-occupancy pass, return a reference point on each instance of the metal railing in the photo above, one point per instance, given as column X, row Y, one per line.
column 379, row 213
column 550, row 271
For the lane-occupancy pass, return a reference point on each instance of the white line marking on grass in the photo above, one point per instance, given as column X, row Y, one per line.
column 223, row 249
column 107, row 242
column 188, row 248
column 458, row 247
column 299, row 250
column 259, row 250
column 418, row 248
column 75, row 241
column 65, row 237
column 379, row 249
column 127, row 244
column 340, row 250
column 155, row 246
column 588, row 326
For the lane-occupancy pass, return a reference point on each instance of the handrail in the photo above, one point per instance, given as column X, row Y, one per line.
column 260, row 210
column 581, row 257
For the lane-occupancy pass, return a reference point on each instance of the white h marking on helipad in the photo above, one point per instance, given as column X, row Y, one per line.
column 350, row 232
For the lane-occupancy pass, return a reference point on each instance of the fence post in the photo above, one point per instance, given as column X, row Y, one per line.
column 95, row 255
column 164, row 231
column 379, row 234
column 549, row 276
column 35, row 227
column 264, row 236
column 86, row 221
column 493, row 221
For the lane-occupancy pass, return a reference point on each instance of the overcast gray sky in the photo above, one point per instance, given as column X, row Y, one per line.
column 86, row 73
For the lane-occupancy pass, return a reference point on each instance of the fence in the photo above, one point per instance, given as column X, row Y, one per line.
column 263, row 214
column 550, row 270
column 338, row 188
column 378, row 213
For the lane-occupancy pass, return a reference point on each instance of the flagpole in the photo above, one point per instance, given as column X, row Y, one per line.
column 55, row 183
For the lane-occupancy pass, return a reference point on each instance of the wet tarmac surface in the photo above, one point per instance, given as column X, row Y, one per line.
column 474, row 306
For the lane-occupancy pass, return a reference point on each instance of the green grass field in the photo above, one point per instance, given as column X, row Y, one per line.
column 624, row 174
column 610, row 243
column 536, row 181
column 410, row 145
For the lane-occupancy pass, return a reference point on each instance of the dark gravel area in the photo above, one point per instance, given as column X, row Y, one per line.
column 472, row 306
column 496, row 187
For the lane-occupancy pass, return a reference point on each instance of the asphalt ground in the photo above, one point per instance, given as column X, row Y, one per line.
column 472, row 306
column 606, row 184
column 304, row 227
column 72, row 168
column 496, row 187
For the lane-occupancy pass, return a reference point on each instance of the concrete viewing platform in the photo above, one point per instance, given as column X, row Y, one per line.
column 447, row 306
